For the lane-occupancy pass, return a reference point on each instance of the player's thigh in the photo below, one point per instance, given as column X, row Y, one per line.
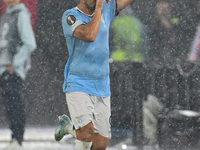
column 80, row 108
column 102, row 115
column 85, row 133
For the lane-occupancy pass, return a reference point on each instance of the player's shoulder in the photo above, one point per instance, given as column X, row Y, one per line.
column 72, row 11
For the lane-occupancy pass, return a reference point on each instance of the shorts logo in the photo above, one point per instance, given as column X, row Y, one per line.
column 80, row 120
column 71, row 20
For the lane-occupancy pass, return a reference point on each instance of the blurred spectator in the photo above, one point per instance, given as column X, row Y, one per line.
column 127, row 37
column 162, row 35
column 162, row 51
column 194, row 53
column 17, row 42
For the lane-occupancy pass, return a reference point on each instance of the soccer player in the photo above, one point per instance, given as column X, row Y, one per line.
column 87, row 83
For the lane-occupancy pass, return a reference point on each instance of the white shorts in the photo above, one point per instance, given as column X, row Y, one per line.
column 84, row 108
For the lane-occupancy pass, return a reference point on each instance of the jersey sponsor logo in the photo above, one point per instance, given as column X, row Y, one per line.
column 71, row 20
column 76, row 24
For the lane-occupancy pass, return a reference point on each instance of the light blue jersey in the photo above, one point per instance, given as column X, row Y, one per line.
column 87, row 68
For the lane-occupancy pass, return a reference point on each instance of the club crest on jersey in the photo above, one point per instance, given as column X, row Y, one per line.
column 71, row 20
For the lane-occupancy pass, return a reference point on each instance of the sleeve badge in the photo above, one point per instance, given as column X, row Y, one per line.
column 71, row 20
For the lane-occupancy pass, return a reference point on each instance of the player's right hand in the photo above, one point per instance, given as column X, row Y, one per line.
column 108, row 1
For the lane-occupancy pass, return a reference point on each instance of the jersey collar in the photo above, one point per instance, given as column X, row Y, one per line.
column 83, row 12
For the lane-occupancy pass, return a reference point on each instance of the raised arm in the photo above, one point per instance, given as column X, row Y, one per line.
column 121, row 4
column 89, row 32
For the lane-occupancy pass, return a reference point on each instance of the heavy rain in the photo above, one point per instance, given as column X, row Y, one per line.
column 154, row 77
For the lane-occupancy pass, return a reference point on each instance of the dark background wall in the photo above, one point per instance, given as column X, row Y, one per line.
column 44, row 97
column 44, row 83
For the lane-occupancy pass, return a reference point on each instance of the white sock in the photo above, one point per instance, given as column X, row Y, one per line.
column 81, row 145
column 69, row 129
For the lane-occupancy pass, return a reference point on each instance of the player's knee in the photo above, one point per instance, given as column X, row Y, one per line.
column 98, row 147
column 99, row 144
column 85, row 133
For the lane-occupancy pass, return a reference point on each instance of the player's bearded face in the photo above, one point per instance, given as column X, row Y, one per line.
column 90, row 4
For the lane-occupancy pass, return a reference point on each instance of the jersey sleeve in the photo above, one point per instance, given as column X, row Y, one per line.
column 70, row 21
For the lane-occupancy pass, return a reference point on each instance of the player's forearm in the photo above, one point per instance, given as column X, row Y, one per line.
column 89, row 32
column 94, row 25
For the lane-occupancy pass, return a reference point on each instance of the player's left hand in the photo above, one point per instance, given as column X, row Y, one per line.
column 108, row 1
